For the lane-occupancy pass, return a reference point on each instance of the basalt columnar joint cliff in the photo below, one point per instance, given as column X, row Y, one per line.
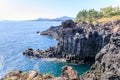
column 77, row 43
column 106, row 66
column 107, row 62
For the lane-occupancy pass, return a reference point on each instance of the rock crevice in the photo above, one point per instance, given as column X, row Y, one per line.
column 107, row 62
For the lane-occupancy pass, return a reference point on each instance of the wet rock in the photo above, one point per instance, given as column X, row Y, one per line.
column 29, row 52
column 37, row 32
column 48, row 53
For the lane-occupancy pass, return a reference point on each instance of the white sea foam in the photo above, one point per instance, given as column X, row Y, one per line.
column 54, row 59
column 36, row 66
column 1, row 64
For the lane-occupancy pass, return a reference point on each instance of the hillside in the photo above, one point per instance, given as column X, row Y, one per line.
column 55, row 19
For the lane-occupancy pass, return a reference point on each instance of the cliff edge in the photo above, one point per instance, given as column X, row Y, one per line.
column 107, row 62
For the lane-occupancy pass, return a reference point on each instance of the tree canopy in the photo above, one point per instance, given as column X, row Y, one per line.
column 93, row 15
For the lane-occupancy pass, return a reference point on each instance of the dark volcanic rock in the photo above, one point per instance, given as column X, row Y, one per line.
column 53, row 31
column 77, row 43
column 68, row 24
column 48, row 53
column 107, row 62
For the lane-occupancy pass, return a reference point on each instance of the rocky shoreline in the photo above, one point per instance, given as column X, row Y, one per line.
column 77, row 43
column 87, row 43
column 81, row 43
column 67, row 74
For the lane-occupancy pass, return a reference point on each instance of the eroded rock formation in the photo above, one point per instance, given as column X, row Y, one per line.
column 77, row 43
column 107, row 62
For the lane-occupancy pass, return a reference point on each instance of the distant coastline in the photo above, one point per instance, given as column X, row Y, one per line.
column 63, row 18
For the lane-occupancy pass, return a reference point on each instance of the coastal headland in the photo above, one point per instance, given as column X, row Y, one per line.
column 94, row 39
column 86, row 43
column 79, row 43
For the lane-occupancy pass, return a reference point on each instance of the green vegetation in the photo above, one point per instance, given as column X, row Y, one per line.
column 96, row 16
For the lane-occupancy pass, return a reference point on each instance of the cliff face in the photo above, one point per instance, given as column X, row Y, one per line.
column 106, row 67
column 80, row 43
column 107, row 62
column 101, row 41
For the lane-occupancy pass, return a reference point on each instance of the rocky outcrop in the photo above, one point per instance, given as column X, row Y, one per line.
column 67, row 74
column 55, row 30
column 31, row 75
column 48, row 53
column 107, row 62
column 52, row 31
column 77, row 43
column 68, row 24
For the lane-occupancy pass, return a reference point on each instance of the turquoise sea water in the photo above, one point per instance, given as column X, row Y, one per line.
column 17, row 36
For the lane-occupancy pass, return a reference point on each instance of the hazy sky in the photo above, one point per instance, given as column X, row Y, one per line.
column 32, row 9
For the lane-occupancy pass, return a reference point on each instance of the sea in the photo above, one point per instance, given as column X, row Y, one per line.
column 17, row 36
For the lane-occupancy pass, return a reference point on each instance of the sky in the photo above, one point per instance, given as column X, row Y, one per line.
column 33, row 9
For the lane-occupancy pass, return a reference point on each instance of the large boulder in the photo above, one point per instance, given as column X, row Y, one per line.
column 68, row 24
column 32, row 74
column 13, row 73
column 69, row 73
